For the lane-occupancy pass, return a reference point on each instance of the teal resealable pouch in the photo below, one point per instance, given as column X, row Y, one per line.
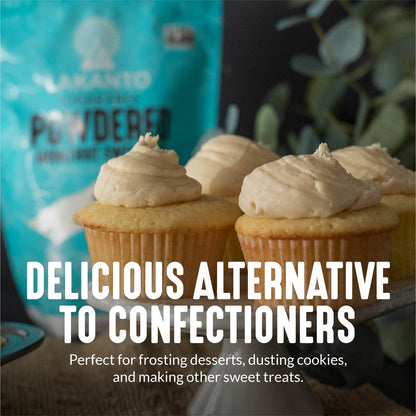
column 80, row 81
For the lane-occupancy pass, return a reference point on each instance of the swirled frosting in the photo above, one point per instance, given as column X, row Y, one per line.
column 223, row 162
column 375, row 164
column 304, row 186
column 146, row 176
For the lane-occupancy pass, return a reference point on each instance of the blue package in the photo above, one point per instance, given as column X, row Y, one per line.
column 80, row 82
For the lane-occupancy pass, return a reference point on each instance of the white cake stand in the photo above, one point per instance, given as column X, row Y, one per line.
column 260, row 398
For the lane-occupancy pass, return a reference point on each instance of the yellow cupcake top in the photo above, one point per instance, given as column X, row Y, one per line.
column 375, row 164
column 146, row 176
column 379, row 218
column 223, row 162
column 305, row 186
column 207, row 212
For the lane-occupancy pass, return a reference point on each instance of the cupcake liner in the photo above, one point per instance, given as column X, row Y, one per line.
column 364, row 248
column 232, row 251
column 402, row 254
column 188, row 248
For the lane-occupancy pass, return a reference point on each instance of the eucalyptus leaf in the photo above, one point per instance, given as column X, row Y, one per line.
column 336, row 137
column 344, row 42
column 311, row 66
column 394, row 32
column 362, row 113
column 388, row 71
column 398, row 338
column 365, row 7
column 308, row 141
column 291, row 21
column 387, row 128
column 323, row 95
column 279, row 96
column 397, row 315
column 406, row 153
column 386, row 116
column 404, row 47
column 404, row 90
column 266, row 126
column 386, row 15
column 314, row 90
column 317, row 8
column 396, row 28
column 231, row 119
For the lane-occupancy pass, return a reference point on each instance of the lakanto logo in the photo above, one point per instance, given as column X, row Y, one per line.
column 97, row 40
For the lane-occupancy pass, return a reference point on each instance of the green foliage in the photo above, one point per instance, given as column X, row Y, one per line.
column 397, row 333
column 311, row 66
column 279, row 97
column 374, row 39
column 343, row 43
column 388, row 71
column 231, row 119
column 266, row 127
column 361, row 116
column 365, row 7
column 402, row 91
column 308, row 140
column 290, row 22
column 322, row 95
column 388, row 128
column 317, row 8
column 335, row 136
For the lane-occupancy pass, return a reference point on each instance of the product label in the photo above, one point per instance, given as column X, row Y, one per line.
column 80, row 82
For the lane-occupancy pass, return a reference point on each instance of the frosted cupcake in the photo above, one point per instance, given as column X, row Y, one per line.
column 397, row 186
column 220, row 166
column 308, row 208
column 147, row 209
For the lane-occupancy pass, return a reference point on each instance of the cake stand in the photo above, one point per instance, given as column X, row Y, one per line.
column 260, row 397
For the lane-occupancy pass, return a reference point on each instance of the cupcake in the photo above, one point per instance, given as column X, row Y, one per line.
column 148, row 210
column 397, row 186
column 220, row 166
column 308, row 208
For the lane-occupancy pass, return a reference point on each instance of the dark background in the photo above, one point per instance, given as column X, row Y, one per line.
column 255, row 58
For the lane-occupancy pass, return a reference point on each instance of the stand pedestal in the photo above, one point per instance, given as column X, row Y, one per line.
column 259, row 397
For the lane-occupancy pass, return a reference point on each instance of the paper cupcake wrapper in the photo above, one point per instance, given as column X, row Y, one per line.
column 188, row 248
column 402, row 255
column 232, row 251
column 365, row 248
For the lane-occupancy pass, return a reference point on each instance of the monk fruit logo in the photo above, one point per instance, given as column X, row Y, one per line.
column 97, row 40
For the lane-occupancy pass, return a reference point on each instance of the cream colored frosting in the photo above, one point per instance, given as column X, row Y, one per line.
column 375, row 164
column 146, row 176
column 223, row 162
column 305, row 186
